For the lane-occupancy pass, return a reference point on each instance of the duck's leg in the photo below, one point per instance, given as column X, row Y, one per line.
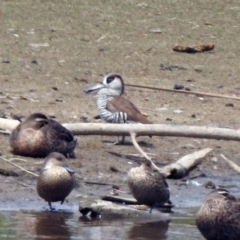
column 119, row 141
column 151, row 208
column 50, row 206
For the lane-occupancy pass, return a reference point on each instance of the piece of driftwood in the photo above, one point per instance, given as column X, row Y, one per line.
column 181, row 168
column 132, row 201
column 117, row 199
column 94, row 207
column 232, row 164
column 194, row 49
column 8, row 124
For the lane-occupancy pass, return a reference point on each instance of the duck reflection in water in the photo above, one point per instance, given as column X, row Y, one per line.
column 52, row 226
column 157, row 230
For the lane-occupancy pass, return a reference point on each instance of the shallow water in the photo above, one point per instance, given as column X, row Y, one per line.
column 62, row 225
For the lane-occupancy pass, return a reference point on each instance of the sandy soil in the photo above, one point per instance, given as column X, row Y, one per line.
column 52, row 50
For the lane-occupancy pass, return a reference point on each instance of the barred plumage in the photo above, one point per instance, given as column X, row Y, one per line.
column 103, row 97
column 112, row 106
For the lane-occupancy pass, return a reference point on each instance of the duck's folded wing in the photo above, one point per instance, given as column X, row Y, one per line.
column 121, row 104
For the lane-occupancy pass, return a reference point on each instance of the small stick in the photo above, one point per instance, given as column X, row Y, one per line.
column 136, row 145
column 23, row 184
column 18, row 159
column 35, row 175
column 23, row 169
column 100, row 183
column 186, row 92
column 138, row 155
column 232, row 164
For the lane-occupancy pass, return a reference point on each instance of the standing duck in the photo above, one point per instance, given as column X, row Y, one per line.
column 112, row 106
column 219, row 216
column 56, row 179
column 148, row 185
column 37, row 136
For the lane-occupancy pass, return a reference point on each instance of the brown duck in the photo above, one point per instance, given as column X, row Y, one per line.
column 37, row 136
column 56, row 179
column 112, row 106
column 148, row 185
column 219, row 216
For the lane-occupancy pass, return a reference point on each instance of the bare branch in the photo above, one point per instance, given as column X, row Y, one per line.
column 142, row 130
column 185, row 92
column 154, row 130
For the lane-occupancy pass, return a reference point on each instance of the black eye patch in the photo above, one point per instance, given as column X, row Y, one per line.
column 110, row 79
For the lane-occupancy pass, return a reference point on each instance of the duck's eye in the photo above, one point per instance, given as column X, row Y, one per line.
column 110, row 79
column 60, row 159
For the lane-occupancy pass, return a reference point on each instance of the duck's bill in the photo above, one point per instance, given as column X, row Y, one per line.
column 71, row 171
column 93, row 88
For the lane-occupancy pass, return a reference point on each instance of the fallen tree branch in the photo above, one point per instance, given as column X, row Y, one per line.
column 142, row 130
column 153, row 130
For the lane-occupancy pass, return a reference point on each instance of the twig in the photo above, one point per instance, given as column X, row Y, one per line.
column 233, row 165
column 100, row 183
column 35, row 175
column 23, row 184
column 23, row 169
column 186, row 92
column 136, row 145
column 18, row 159
column 138, row 155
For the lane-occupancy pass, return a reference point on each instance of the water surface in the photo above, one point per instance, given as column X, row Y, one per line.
column 66, row 225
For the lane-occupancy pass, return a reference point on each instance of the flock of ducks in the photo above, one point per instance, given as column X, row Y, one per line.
column 39, row 136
